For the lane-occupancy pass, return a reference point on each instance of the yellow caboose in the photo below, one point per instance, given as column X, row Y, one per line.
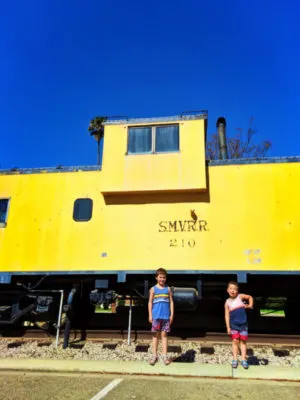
column 155, row 202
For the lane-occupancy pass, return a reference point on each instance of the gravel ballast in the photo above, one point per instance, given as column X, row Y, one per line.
column 184, row 352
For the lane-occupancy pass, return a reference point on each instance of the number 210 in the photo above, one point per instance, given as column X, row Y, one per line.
column 182, row 243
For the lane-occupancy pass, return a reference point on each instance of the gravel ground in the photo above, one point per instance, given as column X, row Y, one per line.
column 190, row 352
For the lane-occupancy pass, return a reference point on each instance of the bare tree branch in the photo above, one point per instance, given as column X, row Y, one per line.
column 239, row 146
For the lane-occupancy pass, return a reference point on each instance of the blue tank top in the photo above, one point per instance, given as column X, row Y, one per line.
column 161, row 303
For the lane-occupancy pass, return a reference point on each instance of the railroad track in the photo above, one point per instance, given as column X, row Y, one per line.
column 211, row 347
column 146, row 336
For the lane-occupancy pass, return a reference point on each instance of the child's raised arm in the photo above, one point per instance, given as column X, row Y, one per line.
column 248, row 298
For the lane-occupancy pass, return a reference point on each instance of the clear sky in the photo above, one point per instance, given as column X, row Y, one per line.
column 64, row 62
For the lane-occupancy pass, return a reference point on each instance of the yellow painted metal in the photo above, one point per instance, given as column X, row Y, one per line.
column 183, row 170
column 248, row 219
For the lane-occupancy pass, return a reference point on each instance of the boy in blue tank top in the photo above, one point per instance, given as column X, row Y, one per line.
column 161, row 314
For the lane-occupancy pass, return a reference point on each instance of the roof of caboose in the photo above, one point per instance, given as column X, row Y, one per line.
column 120, row 120
column 186, row 116
column 60, row 169
column 265, row 160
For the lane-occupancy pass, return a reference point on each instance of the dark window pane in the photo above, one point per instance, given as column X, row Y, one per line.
column 167, row 138
column 3, row 210
column 139, row 140
column 83, row 209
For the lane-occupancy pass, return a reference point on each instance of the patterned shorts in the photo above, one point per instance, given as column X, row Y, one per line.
column 240, row 334
column 160, row 325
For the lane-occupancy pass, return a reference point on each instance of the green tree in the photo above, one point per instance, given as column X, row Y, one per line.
column 96, row 129
column 241, row 145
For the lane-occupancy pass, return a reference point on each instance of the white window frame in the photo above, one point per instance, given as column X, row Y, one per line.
column 153, row 139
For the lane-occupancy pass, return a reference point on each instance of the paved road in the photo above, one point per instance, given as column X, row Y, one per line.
column 42, row 386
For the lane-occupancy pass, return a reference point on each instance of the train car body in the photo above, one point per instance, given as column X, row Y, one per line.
column 154, row 202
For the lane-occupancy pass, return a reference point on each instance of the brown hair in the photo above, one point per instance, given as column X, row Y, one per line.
column 233, row 283
column 161, row 271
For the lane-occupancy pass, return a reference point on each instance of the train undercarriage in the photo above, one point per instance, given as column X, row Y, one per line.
column 81, row 302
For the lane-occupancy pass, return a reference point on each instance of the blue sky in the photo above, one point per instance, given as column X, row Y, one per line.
column 64, row 62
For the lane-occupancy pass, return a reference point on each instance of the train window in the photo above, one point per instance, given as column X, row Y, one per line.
column 3, row 212
column 140, row 140
column 167, row 138
column 153, row 139
column 83, row 209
